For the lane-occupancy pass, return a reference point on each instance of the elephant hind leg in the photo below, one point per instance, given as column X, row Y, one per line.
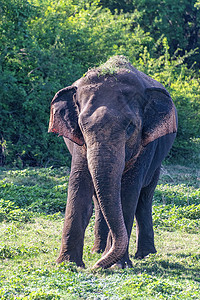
column 144, row 222
column 100, row 230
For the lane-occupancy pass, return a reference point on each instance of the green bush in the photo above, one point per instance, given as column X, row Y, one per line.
column 10, row 212
column 38, row 190
column 7, row 251
column 178, row 21
column 172, row 217
column 38, row 199
column 176, row 194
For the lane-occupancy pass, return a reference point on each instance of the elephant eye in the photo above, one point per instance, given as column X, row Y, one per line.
column 130, row 129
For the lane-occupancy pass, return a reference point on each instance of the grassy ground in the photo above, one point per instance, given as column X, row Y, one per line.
column 31, row 220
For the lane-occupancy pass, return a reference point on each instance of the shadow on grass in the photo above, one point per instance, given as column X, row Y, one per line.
column 186, row 269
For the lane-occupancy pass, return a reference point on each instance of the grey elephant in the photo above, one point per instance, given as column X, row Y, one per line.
column 118, row 124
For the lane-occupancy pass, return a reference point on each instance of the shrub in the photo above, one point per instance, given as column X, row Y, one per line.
column 10, row 212
column 171, row 218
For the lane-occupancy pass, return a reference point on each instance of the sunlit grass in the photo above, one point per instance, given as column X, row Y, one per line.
column 30, row 242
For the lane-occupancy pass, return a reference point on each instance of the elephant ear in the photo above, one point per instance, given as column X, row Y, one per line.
column 159, row 115
column 64, row 115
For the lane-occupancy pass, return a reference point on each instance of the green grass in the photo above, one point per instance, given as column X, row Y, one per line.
column 31, row 219
column 113, row 65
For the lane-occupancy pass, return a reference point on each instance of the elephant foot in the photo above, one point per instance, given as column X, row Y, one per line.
column 140, row 254
column 123, row 264
column 69, row 258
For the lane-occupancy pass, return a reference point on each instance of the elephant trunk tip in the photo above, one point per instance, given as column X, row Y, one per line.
column 114, row 255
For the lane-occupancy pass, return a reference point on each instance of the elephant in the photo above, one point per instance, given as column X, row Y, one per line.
column 118, row 124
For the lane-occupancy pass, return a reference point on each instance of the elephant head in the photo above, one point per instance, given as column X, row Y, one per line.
column 116, row 117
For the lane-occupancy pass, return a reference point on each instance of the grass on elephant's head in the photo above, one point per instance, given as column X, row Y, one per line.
column 113, row 65
column 31, row 235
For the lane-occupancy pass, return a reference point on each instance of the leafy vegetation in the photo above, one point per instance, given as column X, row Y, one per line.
column 178, row 21
column 46, row 45
column 31, row 219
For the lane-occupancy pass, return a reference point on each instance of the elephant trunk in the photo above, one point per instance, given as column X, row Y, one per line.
column 106, row 165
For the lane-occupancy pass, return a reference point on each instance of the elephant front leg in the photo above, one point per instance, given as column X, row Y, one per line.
column 144, row 222
column 77, row 216
column 100, row 229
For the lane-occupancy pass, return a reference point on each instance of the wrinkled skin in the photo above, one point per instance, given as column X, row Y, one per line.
column 118, row 129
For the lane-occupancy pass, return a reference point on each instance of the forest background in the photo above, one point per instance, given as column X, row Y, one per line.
column 46, row 45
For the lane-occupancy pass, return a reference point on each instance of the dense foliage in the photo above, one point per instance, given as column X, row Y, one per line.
column 46, row 45
column 179, row 21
